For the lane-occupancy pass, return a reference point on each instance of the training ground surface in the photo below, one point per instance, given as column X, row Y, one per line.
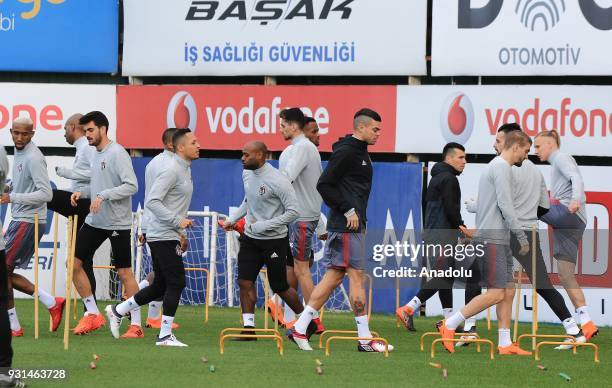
column 132, row 363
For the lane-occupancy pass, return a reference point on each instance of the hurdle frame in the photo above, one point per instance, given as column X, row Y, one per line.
column 327, row 332
column 437, row 334
column 236, row 332
column 478, row 340
column 339, row 338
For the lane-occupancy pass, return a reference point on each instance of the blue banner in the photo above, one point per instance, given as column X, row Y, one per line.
column 394, row 208
column 59, row 35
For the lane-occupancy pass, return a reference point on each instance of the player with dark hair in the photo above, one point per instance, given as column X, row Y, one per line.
column 345, row 187
column 311, row 130
column 442, row 225
column 113, row 182
column 167, row 202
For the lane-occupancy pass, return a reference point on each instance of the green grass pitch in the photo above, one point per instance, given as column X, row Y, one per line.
column 139, row 363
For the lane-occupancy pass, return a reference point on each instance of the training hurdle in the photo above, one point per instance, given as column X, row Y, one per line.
column 477, row 341
column 328, row 332
column 72, row 231
column 337, row 338
column 587, row 344
column 437, row 334
column 237, row 332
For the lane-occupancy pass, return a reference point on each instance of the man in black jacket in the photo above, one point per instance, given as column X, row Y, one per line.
column 345, row 187
column 442, row 225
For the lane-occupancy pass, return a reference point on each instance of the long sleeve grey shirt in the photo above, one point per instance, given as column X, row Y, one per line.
column 152, row 171
column 80, row 173
column 301, row 163
column 113, row 179
column 495, row 214
column 31, row 186
column 566, row 182
column 4, row 170
column 168, row 200
column 269, row 203
column 528, row 193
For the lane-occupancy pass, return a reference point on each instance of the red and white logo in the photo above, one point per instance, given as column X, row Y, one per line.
column 457, row 118
column 182, row 112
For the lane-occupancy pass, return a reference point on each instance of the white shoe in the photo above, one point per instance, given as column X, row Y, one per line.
column 579, row 338
column 469, row 337
column 374, row 347
column 114, row 321
column 300, row 340
column 170, row 340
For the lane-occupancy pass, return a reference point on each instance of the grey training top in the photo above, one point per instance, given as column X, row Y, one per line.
column 528, row 192
column 80, row 174
column 113, row 179
column 4, row 170
column 301, row 163
column 31, row 187
column 152, row 171
column 269, row 203
column 495, row 214
column 168, row 200
column 566, row 182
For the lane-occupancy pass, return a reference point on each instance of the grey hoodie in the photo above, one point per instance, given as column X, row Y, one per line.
column 80, row 174
column 31, row 187
column 566, row 182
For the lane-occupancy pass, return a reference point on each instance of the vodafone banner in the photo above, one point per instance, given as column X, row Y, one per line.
column 497, row 37
column 431, row 116
column 49, row 105
column 274, row 37
column 226, row 117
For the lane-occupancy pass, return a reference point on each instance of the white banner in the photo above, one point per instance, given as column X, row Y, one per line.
column 265, row 37
column 594, row 262
column 496, row 37
column 49, row 106
column 428, row 117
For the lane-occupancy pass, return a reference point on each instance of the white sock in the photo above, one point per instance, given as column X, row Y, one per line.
column 454, row 320
column 248, row 320
column 154, row 309
column 363, row 329
column 273, row 298
column 583, row 315
column 14, row 319
column 166, row 326
column 144, row 283
column 414, row 304
column 570, row 326
column 46, row 299
column 504, row 337
column 315, row 315
column 90, row 305
column 304, row 320
column 469, row 323
column 126, row 306
column 288, row 314
column 135, row 315
column 447, row 313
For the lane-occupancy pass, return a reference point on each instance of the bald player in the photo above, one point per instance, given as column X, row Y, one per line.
column 80, row 175
column 31, row 190
column 270, row 205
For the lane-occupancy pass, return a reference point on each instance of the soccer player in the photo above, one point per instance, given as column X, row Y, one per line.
column 113, row 182
column 80, row 175
column 495, row 219
column 443, row 225
column 270, row 206
column 167, row 203
column 311, row 130
column 6, row 351
column 152, row 172
column 31, row 190
column 345, row 187
column 301, row 163
column 530, row 198
column 567, row 216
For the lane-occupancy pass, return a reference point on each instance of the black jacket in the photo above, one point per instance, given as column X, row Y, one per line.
column 346, row 182
column 443, row 203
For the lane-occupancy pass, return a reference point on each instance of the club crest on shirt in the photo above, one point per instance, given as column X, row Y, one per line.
column 20, row 167
column 103, row 164
column 262, row 190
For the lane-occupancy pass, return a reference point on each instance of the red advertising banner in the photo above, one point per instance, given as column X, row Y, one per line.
column 226, row 117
